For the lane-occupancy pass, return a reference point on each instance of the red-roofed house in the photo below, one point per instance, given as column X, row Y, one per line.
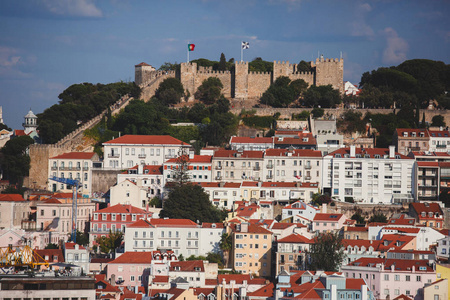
column 251, row 252
column 199, row 167
column 299, row 208
column 325, row 222
column 195, row 272
column 129, row 192
column 115, row 218
column 297, row 165
column 428, row 214
column 73, row 165
column 408, row 139
column 392, row 276
column 439, row 141
column 303, row 140
column 180, row 235
column 372, row 175
column 128, row 150
column 236, row 166
column 290, row 253
column 401, row 220
column 14, row 209
column 77, row 255
column 285, row 192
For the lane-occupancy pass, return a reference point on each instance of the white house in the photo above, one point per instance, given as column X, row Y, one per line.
column 439, row 140
column 199, row 167
column 77, row 255
column 299, row 208
column 129, row 150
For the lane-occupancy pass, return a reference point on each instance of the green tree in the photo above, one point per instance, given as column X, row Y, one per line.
column 82, row 238
column 14, row 159
column 181, row 173
column 283, row 92
column 327, row 252
column 170, row 91
column 215, row 258
column 260, row 65
column 189, row 201
column 303, row 66
column 358, row 218
column 438, row 121
column 378, row 217
column 168, row 66
column 51, row 246
column 319, row 199
column 222, row 62
column 209, row 91
column 323, row 96
column 225, row 245
column 317, row 112
column 155, row 202
column 111, row 242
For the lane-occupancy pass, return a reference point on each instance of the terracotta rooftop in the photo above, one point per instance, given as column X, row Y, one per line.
column 133, row 258
column 71, row 246
column 146, row 140
column 296, row 238
column 151, row 169
column 197, row 159
column 369, row 152
column 122, row 209
column 250, row 140
column 328, row 217
column 399, row 264
column 294, row 153
column 11, row 197
column 237, row 154
column 188, row 266
column 290, row 184
column 163, row 223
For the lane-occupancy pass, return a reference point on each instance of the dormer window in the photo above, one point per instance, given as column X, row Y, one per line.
column 430, row 214
column 338, row 156
column 421, row 134
column 405, row 134
column 377, row 156
column 423, row 214
column 413, row 134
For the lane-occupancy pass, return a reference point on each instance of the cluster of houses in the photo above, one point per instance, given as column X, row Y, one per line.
column 267, row 185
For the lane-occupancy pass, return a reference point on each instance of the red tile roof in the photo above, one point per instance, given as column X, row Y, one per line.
column 160, row 279
column 371, row 152
column 146, row 140
column 328, row 217
column 133, row 258
column 296, row 238
column 428, row 164
column 19, row 132
column 163, row 223
column 197, row 159
column 253, row 229
column 395, row 241
column 71, row 246
column 247, row 211
column 11, row 197
column 151, row 169
column 122, row 209
column 356, row 229
column 204, row 291
column 51, row 200
column 188, row 266
column 403, row 219
column 402, row 297
column 403, row 229
column 265, row 291
column 426, row 207
column 236, row 154
column 250, row 140
column 213, row 225
column 52, row 254
column 75, row 155
column 143, row 64
column 290, row 184
column 400, row 132
column 300, row 205
column 250, row 183
column 239, row 279
column 295, row 153
column 360, row 243
column 439, row 133
column 354, row 283
column 399, row 264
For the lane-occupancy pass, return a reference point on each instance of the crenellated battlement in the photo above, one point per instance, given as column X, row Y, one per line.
column 335, row 60
column 212, row 72
column 241, row 62
column 259, row 73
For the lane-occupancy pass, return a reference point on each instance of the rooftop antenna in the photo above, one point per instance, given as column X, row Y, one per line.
column 341, row 54
column 318, row 55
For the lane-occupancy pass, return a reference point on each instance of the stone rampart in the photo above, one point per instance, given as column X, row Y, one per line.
column 258, row 83
column 102, row 180
column 149, row 88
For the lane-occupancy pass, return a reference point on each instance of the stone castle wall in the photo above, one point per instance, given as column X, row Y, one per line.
column 242, row 84
column 102, row 180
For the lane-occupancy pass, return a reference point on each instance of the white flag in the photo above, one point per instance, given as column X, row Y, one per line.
column 245, row 45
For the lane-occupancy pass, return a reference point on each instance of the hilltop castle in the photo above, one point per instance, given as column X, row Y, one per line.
column 242, row 84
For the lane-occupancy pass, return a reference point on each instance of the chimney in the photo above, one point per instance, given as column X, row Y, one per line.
column 113, row 279
column 324, row 208
column 244, row 227
column 334, row 292
column 140, row 169
column 191, row 154
column 391, row 151
column 352, row 150
column 364, row 292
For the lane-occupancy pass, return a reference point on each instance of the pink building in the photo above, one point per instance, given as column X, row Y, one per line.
column 115, row 218
column 328, row 222
column 392, row 277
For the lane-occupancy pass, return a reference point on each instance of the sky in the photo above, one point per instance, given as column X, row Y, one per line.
column 48, row 45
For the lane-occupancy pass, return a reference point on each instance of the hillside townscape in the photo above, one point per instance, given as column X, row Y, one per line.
column 218, row 178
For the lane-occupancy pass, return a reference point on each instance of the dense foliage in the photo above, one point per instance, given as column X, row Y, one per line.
column 378, row 217
column 283, row 92
column 323, row 96
column 170, row 91
column 14, row 159
column 327, row 252
column 189, row 201
column 209, row 91
column 80, row 103
column 109, row 243
column 260, row 65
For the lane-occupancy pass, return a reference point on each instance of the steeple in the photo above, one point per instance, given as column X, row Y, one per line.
column 30, row 123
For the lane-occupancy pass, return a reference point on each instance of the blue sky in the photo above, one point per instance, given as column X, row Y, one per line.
column 47, row 45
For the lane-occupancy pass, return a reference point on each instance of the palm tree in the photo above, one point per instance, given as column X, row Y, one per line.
column 226, row 243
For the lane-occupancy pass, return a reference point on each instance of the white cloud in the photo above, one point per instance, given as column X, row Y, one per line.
column 359, row 26
column 396, row 47
column 8, row 57
column 79, row 8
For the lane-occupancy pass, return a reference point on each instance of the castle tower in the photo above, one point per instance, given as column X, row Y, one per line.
column 142, row 72
column 330, row 71
column 241, row 80
column 282, row 69
column 188, row 74
column 30, row 123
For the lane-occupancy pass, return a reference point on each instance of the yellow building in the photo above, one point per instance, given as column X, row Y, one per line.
column 437, row 290
column 443, row 272
column 252, row 249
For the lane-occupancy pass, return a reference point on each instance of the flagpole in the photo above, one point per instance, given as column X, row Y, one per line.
column 188, row 54
column 242, row 52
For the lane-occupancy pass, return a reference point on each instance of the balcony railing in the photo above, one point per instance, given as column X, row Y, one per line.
column 85, row 168
column 269, row 176
column 169, row 156
column 218, row 177
column 113, row 155
column 256, row 168
column 308, row 167
column 441, row 146
column 269, row 166
column 307, row 177
column 218, row 168
column 54, row 168
column 142, row 156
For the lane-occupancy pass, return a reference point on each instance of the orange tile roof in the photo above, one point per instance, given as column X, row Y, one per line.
column 71, row 246
column 428, row 207
column 250, row 183
column 204, row 291
column 122, row 209
column 146, row 140
column 250, row 140
column 290, row 184
column 51, row 200
column 356, row 229
column 403, row 229
column 210, row 225
column 133, row 258
column 197, row 159
column 188, row 266
column 428, row 164
column 143, row 64
column 163, row 223
column 296, row 238
column 51, row 253
column 160, row 279
column 295, row 153
column 354, row 283
column 400, row 132
column 265, row 291
column 360, row 243
column 152, row 169
column 328, row 217
column 75, row 155
column 371, row 152
column 236, row 154
column 11, row 197
column 399, row 264
column 403, row 219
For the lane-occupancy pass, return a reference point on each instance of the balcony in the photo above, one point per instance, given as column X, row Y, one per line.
column 54, row 168
column 113, row 155
column 269, row 166
column 256, row 168
column 441, row 146
column 85, row 168
column 142, row 155
column 307, row 167
column 218, row 177
column 168, row 156
column 218, row 167
column 269, row 176
column 307, row 177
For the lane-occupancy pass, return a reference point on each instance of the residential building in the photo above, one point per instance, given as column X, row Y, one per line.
column 327, row 137
column 236, row 166
column 356, row 232
column 407, row 140
column 439, row 141
column 296, row 140
column 387, row 175
column 115, row 218
column 13, row 210
column 292, row 165
column 443, row 247
column 199, row 168
column 251, row 252
column 182, row 236
column 130, row 150
column 223, row 194
column 77, row 255
column 73, row 165
column 392, row 277
column 129, row 193
column 325, row 222
column 285, row 192
column 147, row 177
column 130, row 269
column 356, row 249
column 437, row 290
column 428, row 214
column 243, row 143
column 427, row 181
column 291, row 252
column 195, row 272
column 301, row 208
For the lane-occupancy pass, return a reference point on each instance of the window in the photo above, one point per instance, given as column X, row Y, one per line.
column 386, row 277
column 132, row 278
column 418, row 278
column 54, row 212
column 408, row 278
